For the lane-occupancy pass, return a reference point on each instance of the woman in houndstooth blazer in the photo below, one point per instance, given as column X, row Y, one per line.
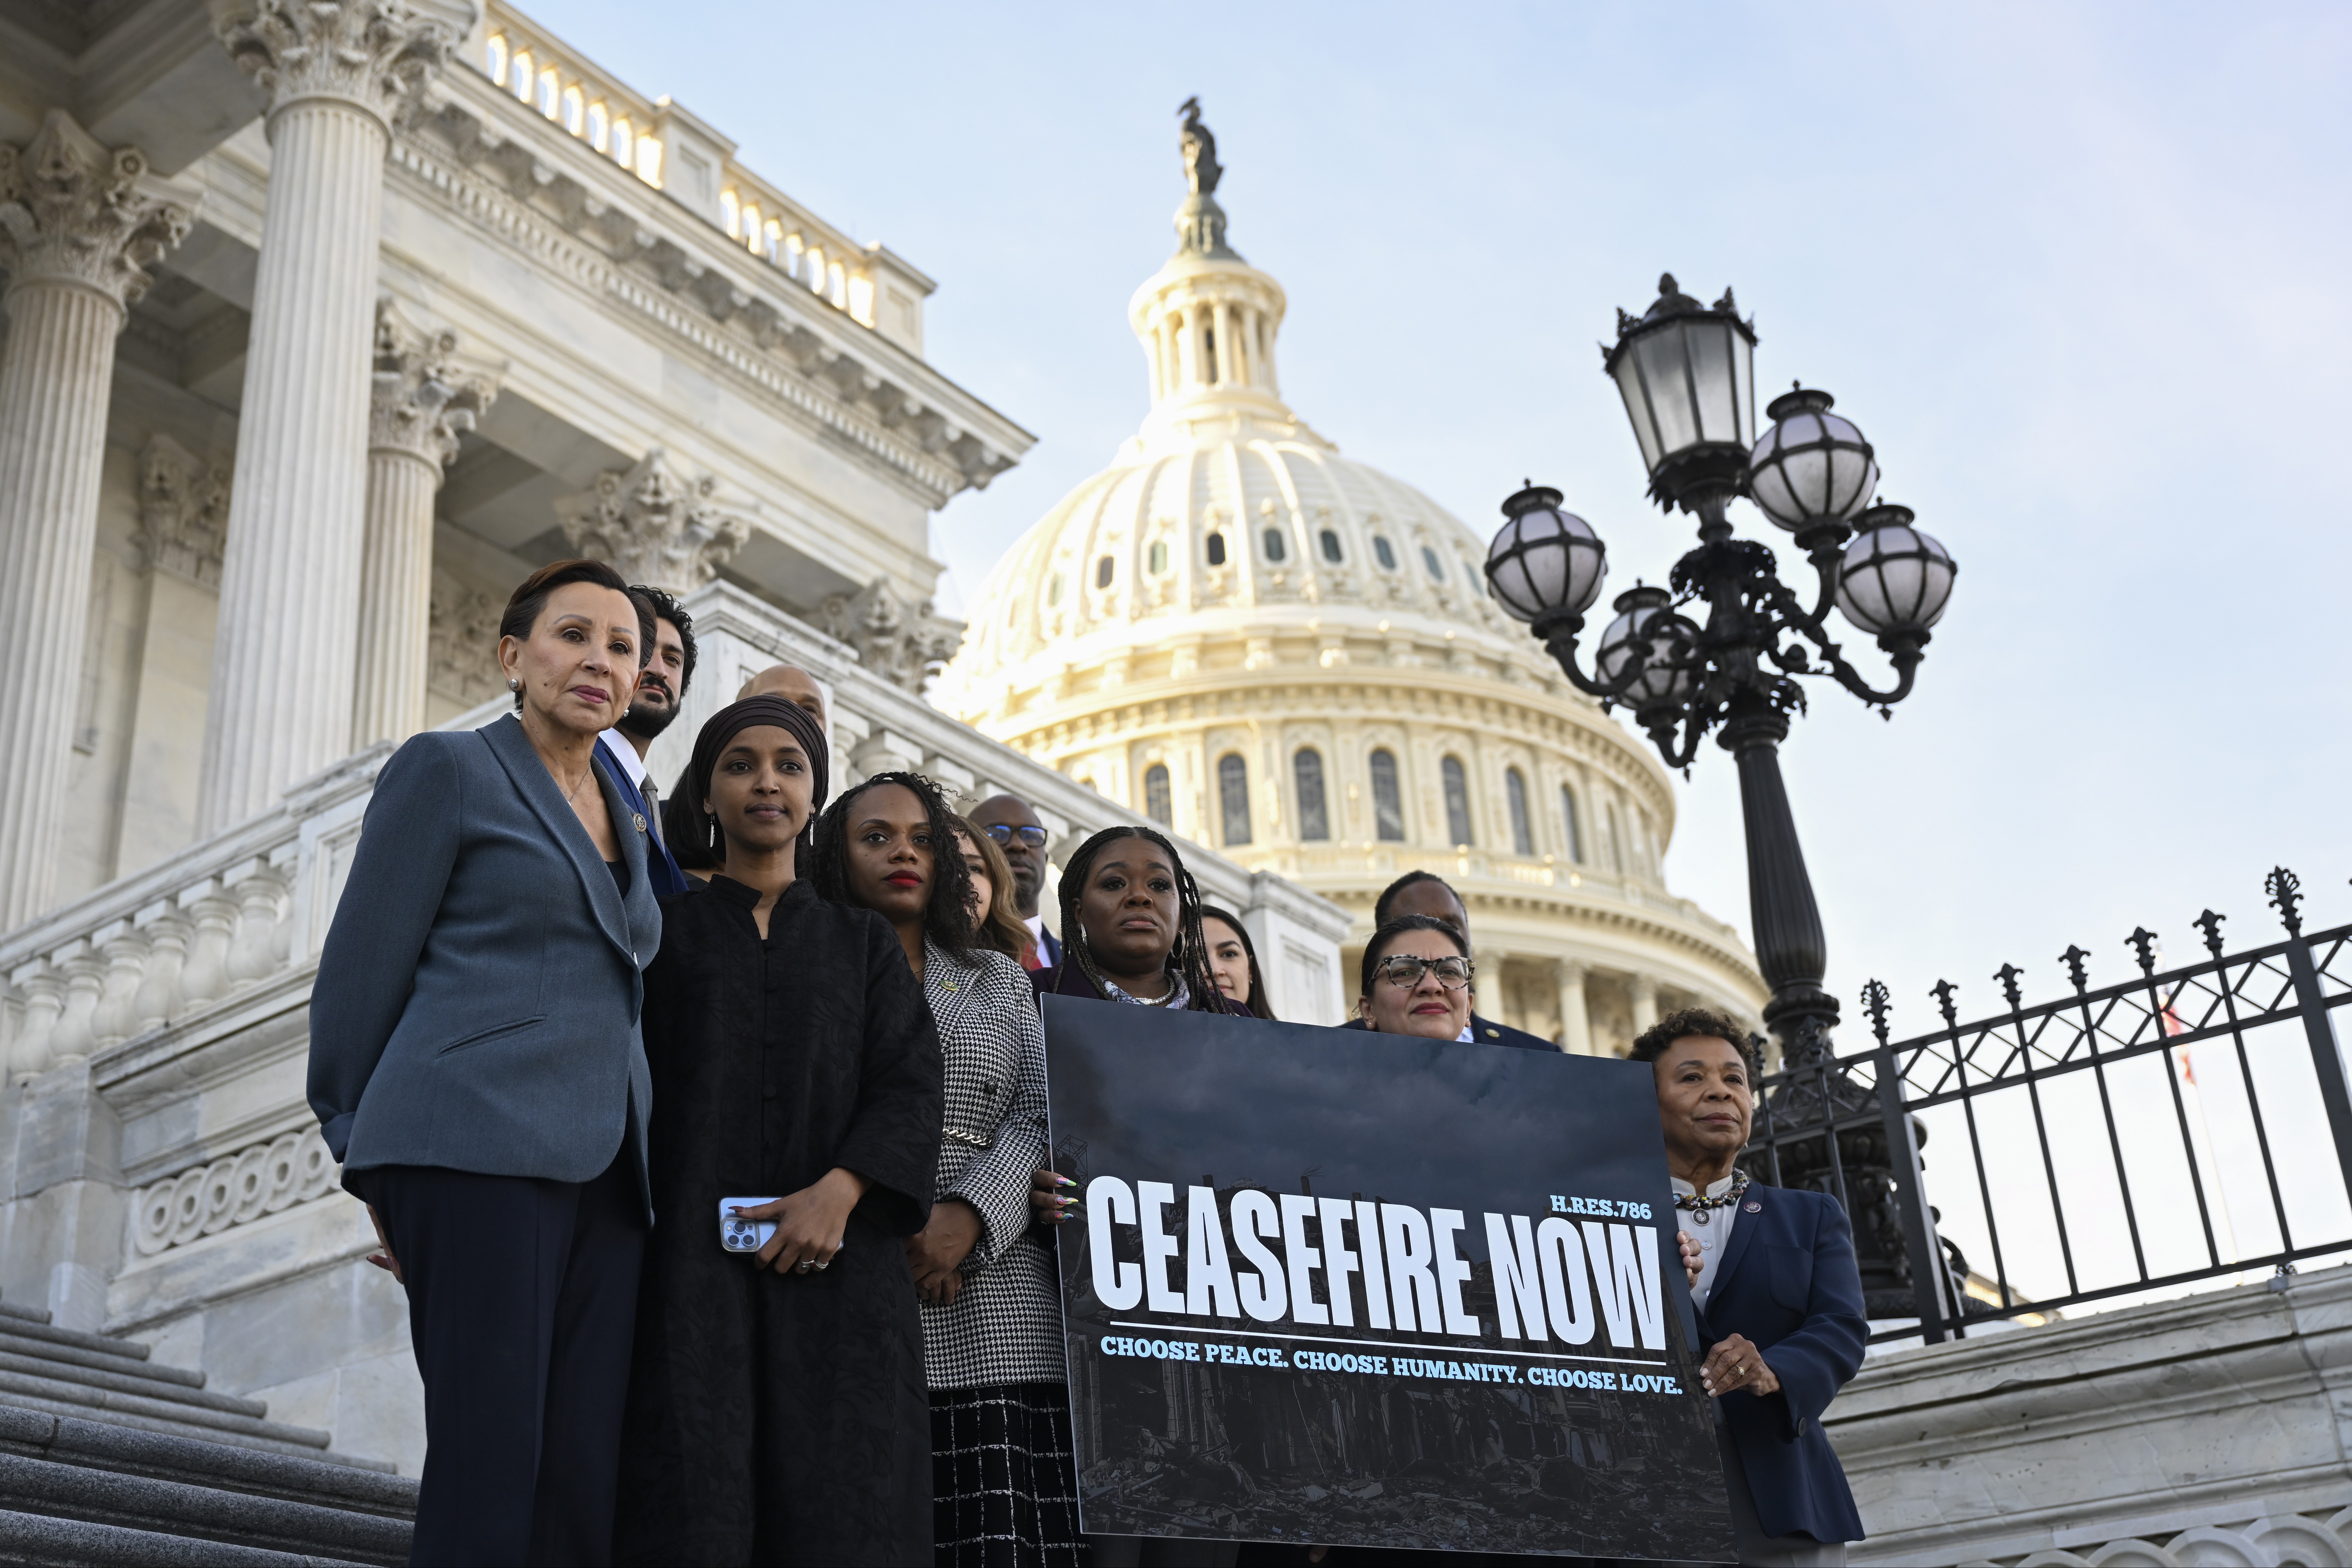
column 1005, row 1489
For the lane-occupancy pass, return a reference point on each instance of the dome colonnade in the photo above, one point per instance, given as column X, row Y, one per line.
column 1291, row 657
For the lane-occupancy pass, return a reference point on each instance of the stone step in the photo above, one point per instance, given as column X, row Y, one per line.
column 29, row 1314
column 103, row 1360
column 140, row 1380
column 24, row 1329
column 202, row 1513
column 37, row 1541
column 329, row 1480
column 155, row 1415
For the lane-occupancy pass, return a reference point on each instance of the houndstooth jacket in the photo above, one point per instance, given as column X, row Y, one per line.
column 1006, row 1323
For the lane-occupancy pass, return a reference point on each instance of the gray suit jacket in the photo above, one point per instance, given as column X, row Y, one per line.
column 477, row 996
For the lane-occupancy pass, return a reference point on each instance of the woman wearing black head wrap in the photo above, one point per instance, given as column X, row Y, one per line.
column 778, row 1410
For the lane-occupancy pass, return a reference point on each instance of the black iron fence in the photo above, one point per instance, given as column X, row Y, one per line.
column 2190, row 1123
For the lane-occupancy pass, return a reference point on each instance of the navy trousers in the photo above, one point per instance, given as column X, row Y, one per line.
column 522, row 1304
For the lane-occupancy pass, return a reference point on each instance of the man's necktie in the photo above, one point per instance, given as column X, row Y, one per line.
column 652, row 809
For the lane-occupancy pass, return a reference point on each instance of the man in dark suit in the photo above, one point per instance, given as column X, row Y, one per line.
column 1778, row 1298
column 1424, row 893
column 1007, row 819
column 661, row 686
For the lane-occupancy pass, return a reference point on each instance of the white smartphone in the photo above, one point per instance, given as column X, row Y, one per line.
column 739, row 1235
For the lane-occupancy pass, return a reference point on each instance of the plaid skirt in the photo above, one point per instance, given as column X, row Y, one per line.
column 1003, row 1484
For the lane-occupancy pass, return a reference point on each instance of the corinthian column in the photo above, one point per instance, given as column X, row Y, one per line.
column 654, row 525
column 421, row 403
column 79, row 225
column 1575, row 1022
column 336, row 76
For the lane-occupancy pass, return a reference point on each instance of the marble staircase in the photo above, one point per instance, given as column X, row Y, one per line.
column 107, row 1458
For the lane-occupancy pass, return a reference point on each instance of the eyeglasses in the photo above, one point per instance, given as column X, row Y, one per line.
column 1404, row 970
column 1005, row 833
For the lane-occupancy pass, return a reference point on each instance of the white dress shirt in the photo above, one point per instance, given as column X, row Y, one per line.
column 1712, row 1236
column 624, row 757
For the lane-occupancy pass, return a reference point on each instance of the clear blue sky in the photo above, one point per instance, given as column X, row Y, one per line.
column 2081, row 273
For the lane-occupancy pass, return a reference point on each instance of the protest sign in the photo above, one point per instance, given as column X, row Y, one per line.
column 1365, row 1289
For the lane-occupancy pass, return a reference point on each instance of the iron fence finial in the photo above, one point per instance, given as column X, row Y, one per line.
column 1875, row 998
column 2008, row 974
column 1943, row 991
column 2073, row 958
column 2143, row 941
column 2210, row 925
column 2285, row 889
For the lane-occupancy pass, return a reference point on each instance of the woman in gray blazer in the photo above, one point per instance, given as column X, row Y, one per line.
column 476, row 1066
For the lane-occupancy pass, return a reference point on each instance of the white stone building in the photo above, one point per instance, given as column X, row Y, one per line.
column 1284, row 652
column 327, row 321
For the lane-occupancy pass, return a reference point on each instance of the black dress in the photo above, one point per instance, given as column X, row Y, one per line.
column 782, row 1419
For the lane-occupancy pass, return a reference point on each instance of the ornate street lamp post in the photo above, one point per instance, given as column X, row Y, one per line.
column 1723, row 647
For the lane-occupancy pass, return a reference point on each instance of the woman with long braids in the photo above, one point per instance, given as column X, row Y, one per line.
column 1132, row 928
column 1003, row 1487
column 777, row 1409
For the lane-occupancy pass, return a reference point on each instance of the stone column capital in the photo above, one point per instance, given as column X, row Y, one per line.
column 657, row 525
column 182, row 511
column 421, row 399
column 903, row 643
column 75, row 212
column 1569, row 971
column 377, row 56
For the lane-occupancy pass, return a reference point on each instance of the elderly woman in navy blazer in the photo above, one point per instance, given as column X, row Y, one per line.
column 476, row 1066
column 1779, row 1298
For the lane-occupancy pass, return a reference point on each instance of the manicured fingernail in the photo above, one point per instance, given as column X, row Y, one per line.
column 1064, row 1181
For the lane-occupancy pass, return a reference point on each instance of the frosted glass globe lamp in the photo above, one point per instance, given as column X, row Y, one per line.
column 1544, row 560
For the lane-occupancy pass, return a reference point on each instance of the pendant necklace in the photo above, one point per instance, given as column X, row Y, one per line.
column 1702, row 1210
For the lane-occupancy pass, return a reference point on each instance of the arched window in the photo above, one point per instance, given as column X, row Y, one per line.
column 1104, row 570
column 1575, row 828
column 1158, row 558
column 1456, row 786
column 1216, row 550
column 1476, row 578
column 1233, row 798
column 1275, row 548
column 1514, row 789
column 1054, row 590
column 1388, row 800
column 1429, row 559
column 1306, row 772
column 1331, row 545
column 1385, row 552
column 1157, row 803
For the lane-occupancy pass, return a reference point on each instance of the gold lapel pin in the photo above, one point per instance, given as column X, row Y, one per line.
column 639, row 818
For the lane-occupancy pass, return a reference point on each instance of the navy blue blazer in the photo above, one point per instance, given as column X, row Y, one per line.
column 1489, row 1033
column 476, row 1006
column 1788, row 1281
column 660, row 865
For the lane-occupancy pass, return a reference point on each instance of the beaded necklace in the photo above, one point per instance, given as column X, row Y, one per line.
column 1702, row 1209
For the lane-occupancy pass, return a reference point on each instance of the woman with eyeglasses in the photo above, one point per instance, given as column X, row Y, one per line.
column 1416, row 979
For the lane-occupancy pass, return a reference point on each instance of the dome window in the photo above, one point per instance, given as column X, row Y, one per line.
column 1331, row 546
column 1157, row 559
column 1456, row 786
column 1053, row 589
column 1306, row 772
column 1232, row 799
column 1105, row 569
column 1569, row 821
column 1158, row 799
column 1216, row 550
column 1275, row 548
column 1429, row 559
column 1515, row 791
column 1388, row 800
column 1385, row 552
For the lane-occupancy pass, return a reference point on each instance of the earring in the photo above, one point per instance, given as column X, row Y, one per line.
column 514, row 685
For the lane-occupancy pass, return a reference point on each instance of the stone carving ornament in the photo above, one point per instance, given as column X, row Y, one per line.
column 904, row 644
column 654, row 525
column 243, row 1186
column 376, row 54
column 422, row 400
column 71, row 211
column 463, row 642
column 182, row 511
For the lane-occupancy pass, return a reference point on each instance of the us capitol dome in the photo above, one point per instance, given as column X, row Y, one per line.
column 1284, row 653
